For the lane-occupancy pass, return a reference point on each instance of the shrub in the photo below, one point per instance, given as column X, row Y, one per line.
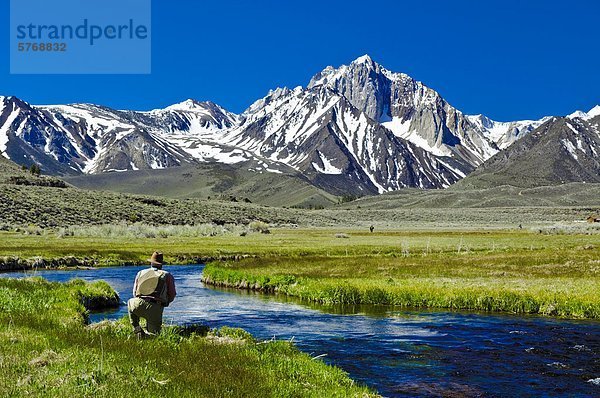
column 33, row 230
column 259, row 226
column 64, row 232
column 35, row 170
column 140, row 230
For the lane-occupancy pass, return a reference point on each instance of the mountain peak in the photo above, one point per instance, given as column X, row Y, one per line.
column 14, row 101
column 365, row 59
column 188, row 104
column 365, row 62
column 271, row 97
column 359, row 65
column 194, row 105
column 595, row 111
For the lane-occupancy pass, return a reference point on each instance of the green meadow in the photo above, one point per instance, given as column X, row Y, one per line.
column 548, row 272
column 127, row 245
column 47, row 350
column 507, row 271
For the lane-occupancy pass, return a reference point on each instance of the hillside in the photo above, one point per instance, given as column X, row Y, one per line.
column 243, row 181
column 50, row 207
column 12, row 174
column 562, row 150
column 36, row 203
column 8, row 168
column 457, row 197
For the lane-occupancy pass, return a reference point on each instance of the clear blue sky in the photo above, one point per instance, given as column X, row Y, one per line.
column 506, row 59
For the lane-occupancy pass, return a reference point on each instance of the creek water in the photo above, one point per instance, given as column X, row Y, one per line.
column 400, row 353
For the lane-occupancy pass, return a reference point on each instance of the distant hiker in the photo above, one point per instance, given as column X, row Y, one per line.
column 153, row 290
column 371, row 228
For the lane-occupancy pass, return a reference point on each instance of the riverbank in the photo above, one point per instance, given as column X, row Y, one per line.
column 9, row 263
column 48, row 350
column 545, row 280
column 555, row 273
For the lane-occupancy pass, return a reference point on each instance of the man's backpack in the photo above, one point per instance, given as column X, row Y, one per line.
column 152, row 282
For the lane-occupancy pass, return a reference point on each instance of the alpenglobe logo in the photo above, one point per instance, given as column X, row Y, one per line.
column 80, row 37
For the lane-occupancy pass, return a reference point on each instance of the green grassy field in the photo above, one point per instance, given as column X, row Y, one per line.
column 294, row 242
column 519, row 271
column 46, row 350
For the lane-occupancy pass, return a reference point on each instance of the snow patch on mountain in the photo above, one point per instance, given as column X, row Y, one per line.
column 328, row 167
column 573, row 129
column 4, row 129
column 398, row 126
column 211, row 152
column 453, row 169
column 187, row 105
column 570, row 148
column 402, row 130
column 503, row 134
column 595, row 111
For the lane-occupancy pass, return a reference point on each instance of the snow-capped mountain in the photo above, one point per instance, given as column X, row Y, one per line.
column 503, row 134
column 563, row 149
column 87, row 138
column 358, row 129
column 409, row 109
column 321, row 134
column 70, row 139
column 592, row 113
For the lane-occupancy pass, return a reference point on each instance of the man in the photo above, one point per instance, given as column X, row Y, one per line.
column 153, row 290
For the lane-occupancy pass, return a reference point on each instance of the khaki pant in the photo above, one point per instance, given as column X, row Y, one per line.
column 150, row 311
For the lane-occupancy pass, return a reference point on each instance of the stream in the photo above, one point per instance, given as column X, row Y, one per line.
column 400, row 353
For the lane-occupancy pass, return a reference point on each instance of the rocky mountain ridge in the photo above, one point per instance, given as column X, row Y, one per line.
column 358, row 129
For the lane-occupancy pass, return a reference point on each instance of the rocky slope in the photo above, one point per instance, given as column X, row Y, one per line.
column 320, row 133
column 562, row 150
column 357, row 129
column 410, row 109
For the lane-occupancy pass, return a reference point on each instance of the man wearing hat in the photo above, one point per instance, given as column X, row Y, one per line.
column 153, row 290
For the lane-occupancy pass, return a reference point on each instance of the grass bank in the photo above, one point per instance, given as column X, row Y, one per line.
column 47, row 350
column 520, row 271
column 555, row 275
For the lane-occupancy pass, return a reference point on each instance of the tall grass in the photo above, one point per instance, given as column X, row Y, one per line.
column 46, row 350
column 284, row 242
column 544, row 281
